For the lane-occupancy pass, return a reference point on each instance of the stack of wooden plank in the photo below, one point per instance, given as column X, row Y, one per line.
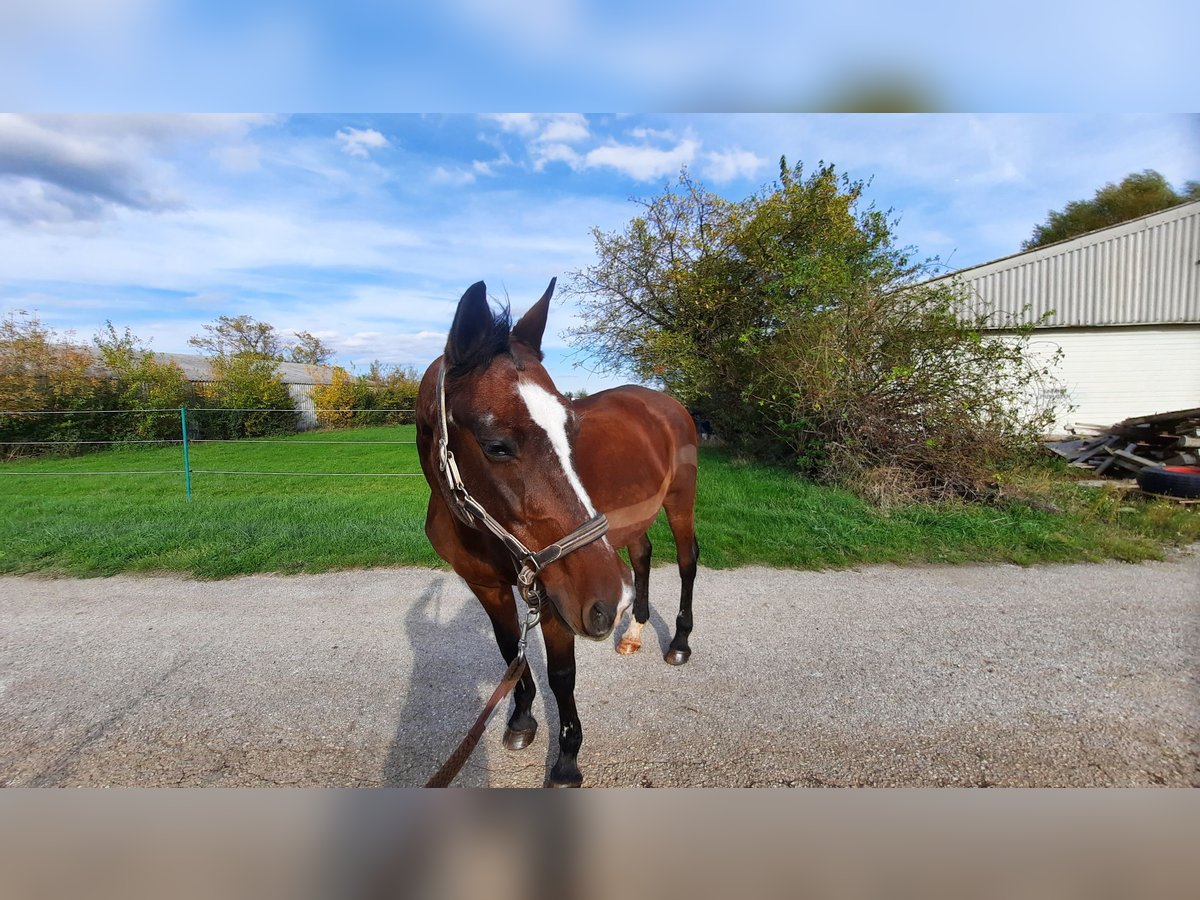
column 1163, row 439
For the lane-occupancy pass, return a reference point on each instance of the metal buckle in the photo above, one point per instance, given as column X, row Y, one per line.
column 533, row 615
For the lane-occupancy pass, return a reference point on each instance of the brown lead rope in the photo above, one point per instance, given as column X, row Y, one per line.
column 512, row 675
column 451, row 766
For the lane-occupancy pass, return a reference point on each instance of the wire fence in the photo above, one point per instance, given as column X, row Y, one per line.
column 187, row 417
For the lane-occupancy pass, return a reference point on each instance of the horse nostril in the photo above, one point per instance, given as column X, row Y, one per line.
column 599, row 621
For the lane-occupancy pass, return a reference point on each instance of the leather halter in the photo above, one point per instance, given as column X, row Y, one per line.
column 471, row 512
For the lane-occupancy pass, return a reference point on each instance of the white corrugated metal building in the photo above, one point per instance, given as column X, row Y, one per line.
column 1124, row 309
column 299, row 378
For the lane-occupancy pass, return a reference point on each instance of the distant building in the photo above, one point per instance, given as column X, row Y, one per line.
column 299, row 378
column 1124, row 306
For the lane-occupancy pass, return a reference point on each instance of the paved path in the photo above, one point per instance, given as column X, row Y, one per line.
column 977, row 675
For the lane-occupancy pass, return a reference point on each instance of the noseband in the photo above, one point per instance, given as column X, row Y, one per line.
column 471, row 512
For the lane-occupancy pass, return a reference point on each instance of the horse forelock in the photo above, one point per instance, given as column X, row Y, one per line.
column 484, row 346
column 516, row 389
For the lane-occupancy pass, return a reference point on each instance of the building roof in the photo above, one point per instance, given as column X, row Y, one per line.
column 1142, row 272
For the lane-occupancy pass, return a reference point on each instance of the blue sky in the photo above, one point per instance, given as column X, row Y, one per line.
column 366, row 229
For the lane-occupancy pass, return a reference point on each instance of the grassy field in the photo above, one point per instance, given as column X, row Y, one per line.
column 236, row 524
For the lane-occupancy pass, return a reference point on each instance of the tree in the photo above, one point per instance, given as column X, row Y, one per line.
column 310, row 350
column 139, row 380
column 43, row 370
column 799, row 327
column 258, row 401
column 1138, row 194
column 240, row 335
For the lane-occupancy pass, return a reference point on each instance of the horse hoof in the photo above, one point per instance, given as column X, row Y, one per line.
column 519, row 740
column 628, row 647
column 676, row 657
column 565, row 776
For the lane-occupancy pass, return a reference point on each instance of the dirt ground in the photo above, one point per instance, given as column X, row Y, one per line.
column 969, row 675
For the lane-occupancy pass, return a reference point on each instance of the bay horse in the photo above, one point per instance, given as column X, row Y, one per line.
column 512, row 464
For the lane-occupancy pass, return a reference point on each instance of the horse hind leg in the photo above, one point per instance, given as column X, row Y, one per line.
column 683, row 526
column 639, row 555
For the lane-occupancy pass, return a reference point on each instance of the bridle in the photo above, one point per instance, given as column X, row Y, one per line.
column 471, row 512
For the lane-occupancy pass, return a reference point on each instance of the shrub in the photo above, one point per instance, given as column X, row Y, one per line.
column 41, row 371
column 140, row 381
column 381, row 396
column 258, row 402
column 799, row 328
column 335, row 401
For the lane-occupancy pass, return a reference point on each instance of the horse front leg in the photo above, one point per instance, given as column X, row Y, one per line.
column 639, row 556
column 560, row 665
column 501, row 608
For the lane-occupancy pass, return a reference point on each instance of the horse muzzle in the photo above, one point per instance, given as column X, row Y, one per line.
column 599, row 621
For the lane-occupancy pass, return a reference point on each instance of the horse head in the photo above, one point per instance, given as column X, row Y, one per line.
column 511, row 436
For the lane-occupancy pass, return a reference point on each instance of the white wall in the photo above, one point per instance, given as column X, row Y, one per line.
column 1111, row 374
column 303, row 399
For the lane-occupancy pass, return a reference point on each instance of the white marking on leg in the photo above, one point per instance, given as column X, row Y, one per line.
column 549, row 413
column 626, row 600
column 631, row 640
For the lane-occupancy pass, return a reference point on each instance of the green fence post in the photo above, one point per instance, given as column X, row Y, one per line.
column 187, row 468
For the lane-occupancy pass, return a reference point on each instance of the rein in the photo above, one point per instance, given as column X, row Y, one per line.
column 508, row 681
column 528, row 564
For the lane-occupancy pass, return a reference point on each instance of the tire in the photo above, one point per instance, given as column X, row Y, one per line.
column 1172, row 481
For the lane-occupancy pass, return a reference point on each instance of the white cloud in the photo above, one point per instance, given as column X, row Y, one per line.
column 453, row 176
column 521, row 123
column 238, row 157
column 58, row 170
column 548, row 153
column 360, row 339
column 642, row 162
column 489, row 167
column 659, row 134
column 54, row 174
column 565, row 128
column 544, row 127
column 361, row 141
column 728, row 165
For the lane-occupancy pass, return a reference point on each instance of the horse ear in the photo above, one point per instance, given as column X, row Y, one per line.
column 472, row 326
column 533, row 324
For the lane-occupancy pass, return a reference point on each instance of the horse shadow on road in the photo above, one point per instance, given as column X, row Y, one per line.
column 455, row 666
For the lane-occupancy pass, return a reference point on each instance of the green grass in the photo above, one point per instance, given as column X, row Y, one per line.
column 746, row 514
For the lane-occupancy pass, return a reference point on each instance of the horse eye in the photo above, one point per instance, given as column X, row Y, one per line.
column 498, row 450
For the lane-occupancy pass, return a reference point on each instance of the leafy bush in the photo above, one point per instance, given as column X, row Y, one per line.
column 139, row 381
column 799, row 328
column 41, row 371
column 252, row 399
column 381, row 396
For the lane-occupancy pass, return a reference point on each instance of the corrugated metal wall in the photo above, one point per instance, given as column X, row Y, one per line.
column 305, row 404
column 1110, row 374
column 1143, row 272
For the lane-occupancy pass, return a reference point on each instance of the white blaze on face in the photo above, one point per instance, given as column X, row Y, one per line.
column 548, row 412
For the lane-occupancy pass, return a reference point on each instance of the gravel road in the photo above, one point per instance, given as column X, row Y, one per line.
column 936, row 675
